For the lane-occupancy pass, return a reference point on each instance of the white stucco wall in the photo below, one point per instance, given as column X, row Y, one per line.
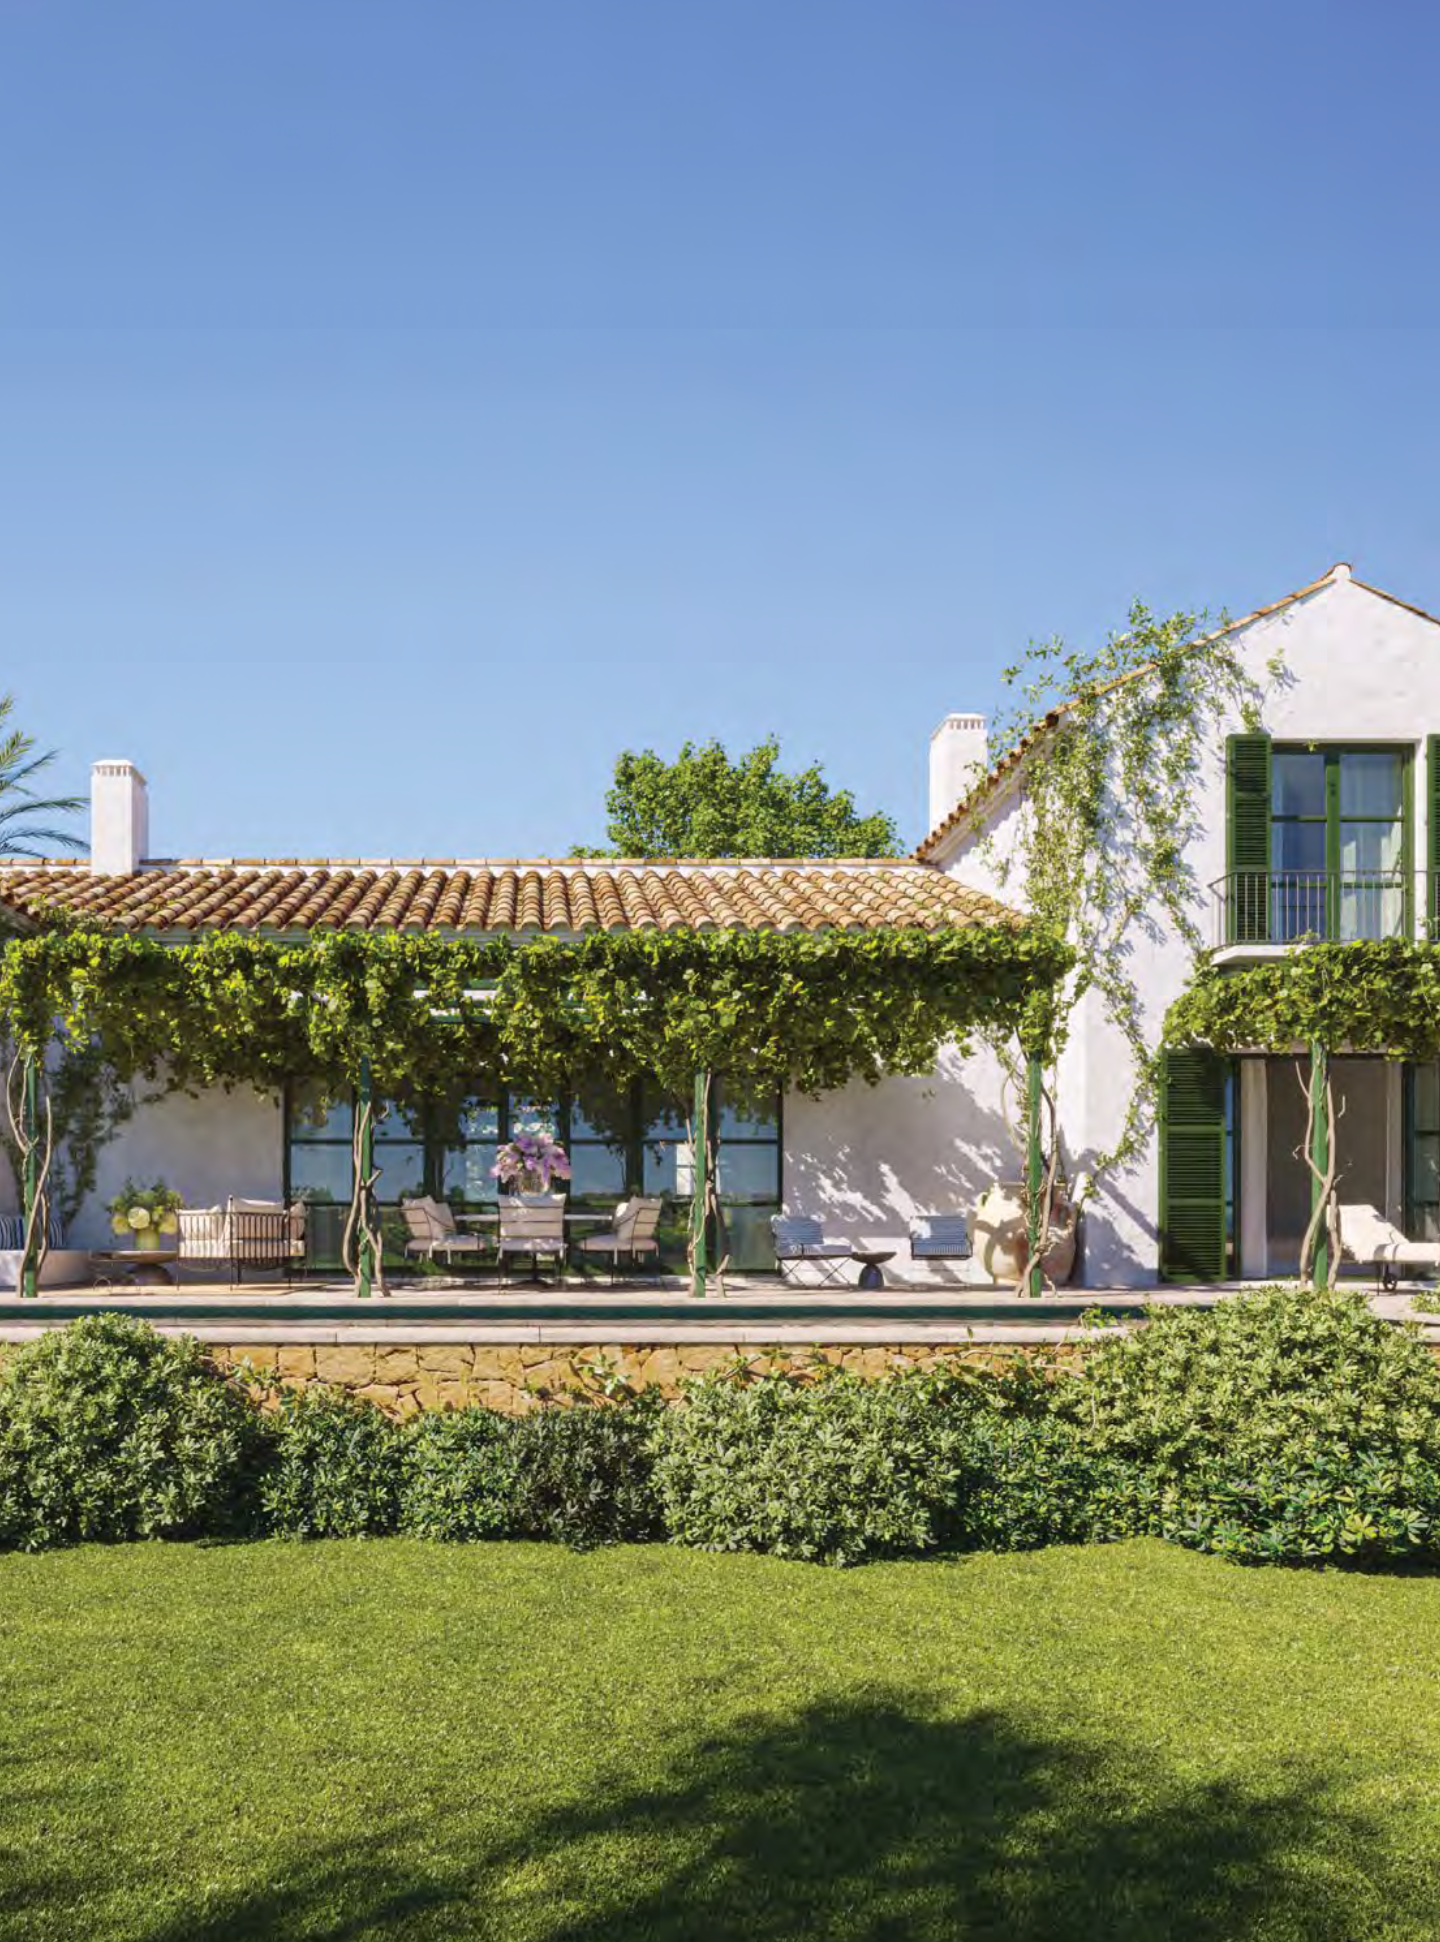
column 1356, row 667
column 868, row 1158
column 208, row 1147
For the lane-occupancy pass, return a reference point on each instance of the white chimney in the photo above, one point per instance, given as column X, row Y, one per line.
column 119, row 819
column 957, row 762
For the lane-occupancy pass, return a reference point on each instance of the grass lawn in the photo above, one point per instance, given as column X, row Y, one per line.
column 391, row 1739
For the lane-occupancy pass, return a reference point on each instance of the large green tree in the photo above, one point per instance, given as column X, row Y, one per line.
column 706, row 805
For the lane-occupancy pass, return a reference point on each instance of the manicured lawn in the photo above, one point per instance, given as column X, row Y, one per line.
column 392, row 1739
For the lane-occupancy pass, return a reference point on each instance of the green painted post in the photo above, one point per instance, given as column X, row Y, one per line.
column 1320, row 1157
column 700, row 1182
column 30, row 1186
column 364, row 1104
column 1034, row 1171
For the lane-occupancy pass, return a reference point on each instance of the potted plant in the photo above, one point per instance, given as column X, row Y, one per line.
column 144, row 1214
column 530, row 1162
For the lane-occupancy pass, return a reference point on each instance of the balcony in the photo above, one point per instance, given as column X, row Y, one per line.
column 1260, row 908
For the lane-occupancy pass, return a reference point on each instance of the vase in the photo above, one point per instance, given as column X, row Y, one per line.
column 146, row 1239
column 1002, row 1240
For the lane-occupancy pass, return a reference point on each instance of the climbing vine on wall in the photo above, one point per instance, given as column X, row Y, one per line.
column 1106, row 815
column 89, row 1103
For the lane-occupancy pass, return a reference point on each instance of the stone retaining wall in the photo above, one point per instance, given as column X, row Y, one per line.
column 405, row 1377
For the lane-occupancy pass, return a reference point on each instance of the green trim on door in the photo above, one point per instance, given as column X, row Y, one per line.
column 1193, row 1155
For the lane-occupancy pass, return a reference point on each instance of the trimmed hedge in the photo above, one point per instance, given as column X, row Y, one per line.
column 334, row 1466
column 1278, row 1426
column 833, row 1468
column 1282, row 1425
column 109, row 1431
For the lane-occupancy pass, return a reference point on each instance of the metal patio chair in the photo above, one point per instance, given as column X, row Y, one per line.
column 800, row 1238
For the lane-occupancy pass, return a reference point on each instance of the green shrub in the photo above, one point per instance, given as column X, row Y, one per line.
column 834, row 1468
column 334, row 1466
column 458, row 1475
column 1278, row 1425
column 1027, row 1481
column 584, row 1474
column 110, row 1431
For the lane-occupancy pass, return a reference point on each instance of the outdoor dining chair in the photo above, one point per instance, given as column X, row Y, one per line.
column 532, row 1227
column 433, row 1230
column 631, row 1238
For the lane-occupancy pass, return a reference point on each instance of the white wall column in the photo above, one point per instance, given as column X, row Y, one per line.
column 1254, row 1168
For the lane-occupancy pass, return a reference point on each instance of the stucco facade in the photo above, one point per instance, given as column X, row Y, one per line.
column 1339, row 663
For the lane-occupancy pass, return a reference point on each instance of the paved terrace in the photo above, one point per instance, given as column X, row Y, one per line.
column 754, row 1312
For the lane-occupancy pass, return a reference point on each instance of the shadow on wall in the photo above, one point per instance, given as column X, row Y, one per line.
column 868, row 1158
column 861, row 1820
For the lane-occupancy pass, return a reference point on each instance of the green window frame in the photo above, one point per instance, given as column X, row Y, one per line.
column 1312, row 893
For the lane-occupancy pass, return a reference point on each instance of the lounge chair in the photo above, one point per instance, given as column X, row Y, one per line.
column 800, row 1238
column 244, row 1233
column 433, row 1230
column 532, row 1226
column 632, row 1237
column 1366, row 1235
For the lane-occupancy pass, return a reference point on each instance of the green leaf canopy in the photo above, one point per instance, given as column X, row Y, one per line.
column 1363, row 997
column 769, row 1011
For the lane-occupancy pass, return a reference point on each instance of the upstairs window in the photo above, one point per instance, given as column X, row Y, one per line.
column 1339, row 843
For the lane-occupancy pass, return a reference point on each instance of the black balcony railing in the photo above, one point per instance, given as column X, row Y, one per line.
column 1324, row 906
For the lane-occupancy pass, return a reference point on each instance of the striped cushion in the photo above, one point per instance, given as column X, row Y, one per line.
column 939, row 1237
column 12, row 1231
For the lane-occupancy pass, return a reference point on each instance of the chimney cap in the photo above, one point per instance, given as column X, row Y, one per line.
column 971, row 724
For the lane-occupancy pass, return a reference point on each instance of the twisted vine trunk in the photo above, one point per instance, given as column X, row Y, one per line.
column 1324, row 1213
column 362, row 1224
column 37, row 1151
column 705, row 1205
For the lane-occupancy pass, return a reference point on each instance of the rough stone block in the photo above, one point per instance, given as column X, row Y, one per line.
column 398, row 1363
column 295, row 1359
column 261, row 1355
column 351, row 1366
column 452, row 1360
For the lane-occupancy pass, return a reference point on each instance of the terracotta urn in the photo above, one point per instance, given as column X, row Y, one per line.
column 1001, row 1240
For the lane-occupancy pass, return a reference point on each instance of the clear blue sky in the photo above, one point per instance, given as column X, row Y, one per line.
column 405, row 407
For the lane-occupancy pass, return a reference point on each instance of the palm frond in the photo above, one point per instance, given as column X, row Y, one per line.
column 20, row 833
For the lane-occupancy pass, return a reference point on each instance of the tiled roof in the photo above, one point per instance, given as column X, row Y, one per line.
column 969, row 805
column 564, row 897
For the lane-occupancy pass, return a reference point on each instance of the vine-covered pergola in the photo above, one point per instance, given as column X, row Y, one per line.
column 1317, row 1001
column 390, row 1013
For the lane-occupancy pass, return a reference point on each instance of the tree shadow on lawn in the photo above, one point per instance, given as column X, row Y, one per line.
column 862, row 1821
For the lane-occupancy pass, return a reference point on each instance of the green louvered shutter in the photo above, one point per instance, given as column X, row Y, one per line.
column 1247, row 839
column 1432, row 837
column 1192, row 1167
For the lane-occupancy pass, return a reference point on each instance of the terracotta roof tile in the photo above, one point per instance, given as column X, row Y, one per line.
column 545, row 895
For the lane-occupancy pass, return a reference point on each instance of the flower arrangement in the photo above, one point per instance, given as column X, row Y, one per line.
column 143, row 1214
column 530, row 1161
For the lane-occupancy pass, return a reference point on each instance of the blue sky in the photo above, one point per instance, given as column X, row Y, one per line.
column 404, row 408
